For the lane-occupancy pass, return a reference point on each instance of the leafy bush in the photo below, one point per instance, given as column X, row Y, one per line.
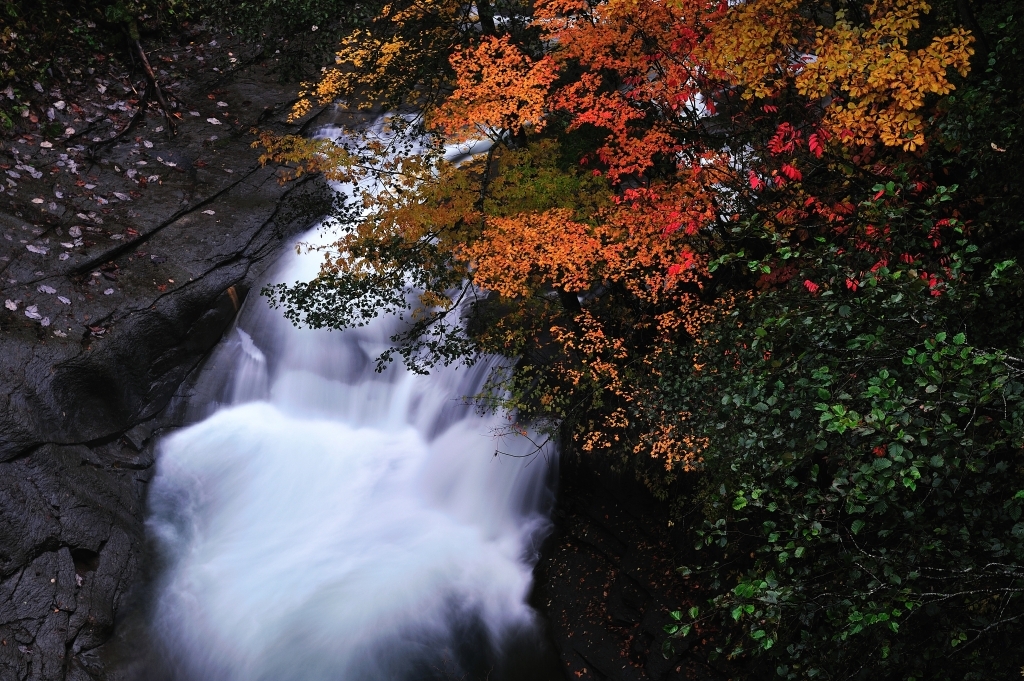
column 863, row 481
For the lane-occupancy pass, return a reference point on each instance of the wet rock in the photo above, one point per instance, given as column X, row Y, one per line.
column 61, row 585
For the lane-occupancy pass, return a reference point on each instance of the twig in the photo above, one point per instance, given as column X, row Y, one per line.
column 156, row 88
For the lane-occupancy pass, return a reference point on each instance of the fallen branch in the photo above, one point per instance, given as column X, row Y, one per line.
column 151, row 77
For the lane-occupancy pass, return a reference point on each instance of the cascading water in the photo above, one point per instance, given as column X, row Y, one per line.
column 328, row 522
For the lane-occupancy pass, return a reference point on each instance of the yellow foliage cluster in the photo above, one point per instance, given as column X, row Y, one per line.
column 756, row 45
column 877, row 84
column 301, row 156
column 403, row 55
column 873, row 86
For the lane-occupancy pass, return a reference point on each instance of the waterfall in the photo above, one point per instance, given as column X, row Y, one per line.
column 323, row 521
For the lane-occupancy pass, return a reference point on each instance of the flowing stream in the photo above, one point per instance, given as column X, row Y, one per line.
column 327, row 522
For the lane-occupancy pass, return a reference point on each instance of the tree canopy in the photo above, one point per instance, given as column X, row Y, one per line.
column 763, row 254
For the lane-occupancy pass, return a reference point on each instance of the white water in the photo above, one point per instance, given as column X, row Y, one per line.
column 330, row 522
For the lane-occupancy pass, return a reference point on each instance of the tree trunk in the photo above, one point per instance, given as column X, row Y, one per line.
column 963, row 7
column 486, row 14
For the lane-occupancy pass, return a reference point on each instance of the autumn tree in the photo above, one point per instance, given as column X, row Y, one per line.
column 717, row 243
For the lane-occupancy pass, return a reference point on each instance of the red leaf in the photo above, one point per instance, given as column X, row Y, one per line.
column 792, row 173
column 815, row 145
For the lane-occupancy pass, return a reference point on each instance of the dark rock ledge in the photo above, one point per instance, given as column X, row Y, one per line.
column 608, row 579
column 151, row 285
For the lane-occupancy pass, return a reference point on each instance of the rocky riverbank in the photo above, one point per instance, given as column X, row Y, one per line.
column 120, row 267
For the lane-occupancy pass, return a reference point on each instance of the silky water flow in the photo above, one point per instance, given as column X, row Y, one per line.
column 326, row 522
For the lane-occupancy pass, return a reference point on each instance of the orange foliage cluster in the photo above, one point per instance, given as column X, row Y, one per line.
column 517, row 255
column 498, row 90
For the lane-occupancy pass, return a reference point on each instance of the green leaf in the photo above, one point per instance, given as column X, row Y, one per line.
column 744, row 590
